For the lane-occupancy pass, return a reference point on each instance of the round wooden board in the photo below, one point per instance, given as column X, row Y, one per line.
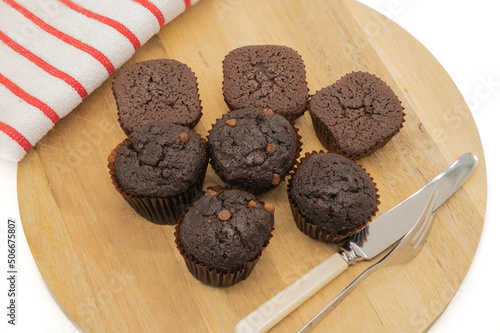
column 112, row 271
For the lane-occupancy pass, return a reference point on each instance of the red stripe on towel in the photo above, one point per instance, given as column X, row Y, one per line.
column 64, row 37
column 44, row 65
column 15, row 135
column 16, row 90
column 154, row 10
column 105, row 20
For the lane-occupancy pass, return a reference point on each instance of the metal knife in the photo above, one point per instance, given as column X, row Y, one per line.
column 363, row 245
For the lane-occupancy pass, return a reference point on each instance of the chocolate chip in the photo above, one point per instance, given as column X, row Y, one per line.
column 269, row 207
column 224, row 215
column 184, row 137
column 276, row 179
column 231, row 122
column 269, row 147
column 268, row 111
column 252, row 204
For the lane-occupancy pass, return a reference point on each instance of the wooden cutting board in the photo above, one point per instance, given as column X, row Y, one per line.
column 113, row 271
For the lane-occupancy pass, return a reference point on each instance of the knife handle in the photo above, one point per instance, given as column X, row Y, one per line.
column 290, row 298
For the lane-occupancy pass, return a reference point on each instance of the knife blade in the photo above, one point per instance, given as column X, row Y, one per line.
column 363, row 245
column 395, row 223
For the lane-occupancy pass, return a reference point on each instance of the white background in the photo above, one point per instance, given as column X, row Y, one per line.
column 464, row 37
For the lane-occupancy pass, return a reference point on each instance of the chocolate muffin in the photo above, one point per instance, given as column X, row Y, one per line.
column 252, row 148
column 223, row 234
column 160, row 170
column 356, row 115
column 266, row 76
column 160, row 90
column 331, row 196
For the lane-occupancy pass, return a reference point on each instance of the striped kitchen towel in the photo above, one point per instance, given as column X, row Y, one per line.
column 53, row 53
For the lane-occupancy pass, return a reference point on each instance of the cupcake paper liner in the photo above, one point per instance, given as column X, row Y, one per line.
column 329, row 142
column 315, row 231
column 217, row 277
column 165, row 210
column 248, row 188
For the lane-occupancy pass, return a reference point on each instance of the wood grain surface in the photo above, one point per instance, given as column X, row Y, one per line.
column 113, row 271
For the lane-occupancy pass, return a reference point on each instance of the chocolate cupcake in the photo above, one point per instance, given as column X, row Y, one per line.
column 223, row 234
column 160, row 90
column 159, row 170
column 266, row 76
column 356, row 115
column 253, row 148
column 331, row 196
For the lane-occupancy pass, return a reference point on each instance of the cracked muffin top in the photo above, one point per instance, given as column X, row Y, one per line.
column 224, row 230
column 160, row 160
column 333, row 192
column 360, row 112
column 266, row 76
column 160, row 90
column 252, row 148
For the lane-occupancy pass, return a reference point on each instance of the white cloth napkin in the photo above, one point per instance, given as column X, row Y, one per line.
column 53, row 53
